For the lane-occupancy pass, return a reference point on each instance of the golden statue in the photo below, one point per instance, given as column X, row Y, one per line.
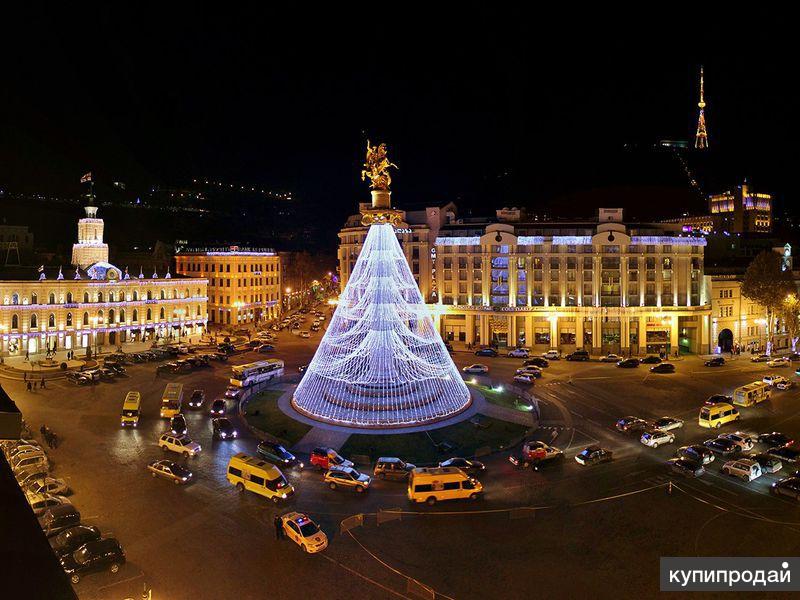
column 377, row 167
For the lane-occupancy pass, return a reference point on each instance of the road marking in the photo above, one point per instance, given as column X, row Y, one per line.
column 586, row 378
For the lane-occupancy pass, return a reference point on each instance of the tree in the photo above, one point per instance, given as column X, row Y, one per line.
column 766, row 283
column 790, row 315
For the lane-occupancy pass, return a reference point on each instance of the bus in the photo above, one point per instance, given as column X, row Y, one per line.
column 256, row 372
column 171, row 400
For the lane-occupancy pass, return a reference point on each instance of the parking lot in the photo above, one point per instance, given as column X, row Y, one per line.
column 175, row 535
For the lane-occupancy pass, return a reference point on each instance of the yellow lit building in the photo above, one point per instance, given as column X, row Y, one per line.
column 94, row 303
column 244, row 285
column 603, row 286
column 740, row 210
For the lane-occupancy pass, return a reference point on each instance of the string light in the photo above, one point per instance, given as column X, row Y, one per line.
column 381, row 363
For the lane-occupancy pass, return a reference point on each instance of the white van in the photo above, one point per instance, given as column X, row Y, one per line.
column 431, row 484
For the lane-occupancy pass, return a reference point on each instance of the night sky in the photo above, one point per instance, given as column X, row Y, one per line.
column 480, row 106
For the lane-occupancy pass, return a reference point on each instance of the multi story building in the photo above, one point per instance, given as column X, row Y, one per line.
column 244, row 285
column 603, row 286
column 16, row 243
column 87, row 306
column 738, row 211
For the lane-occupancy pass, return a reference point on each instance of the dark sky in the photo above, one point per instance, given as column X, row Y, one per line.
column 478, row 105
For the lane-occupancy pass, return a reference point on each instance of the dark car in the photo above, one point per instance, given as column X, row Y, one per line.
column 177, row 425
column 785, row 454
column 686, row 467
column 265, row 348
column 78, row 378
column 197, row 399
column 254, row 344
column 223, row 429
column 217, row 407
column 628, row 363
column 593, row 455
column 99, row 555
column 116, row 367
column 448, row 346
column 219, row 356
column 73, row 538
column 302, row 368
column 631, row 425
column 788, row 486
column 722, row 446
column 392, row 468
column 696, row 453
column 486, row 352
column 717, row 399
column 470, row 467
column 663, row 368
column 58, row 518
column 226, row 348
column 717, row 361
column 650, row 360
column 169, row 367
column 768, row 464
column 774, row 439
column 578, row 355
column 536, row 361
column 277, row 454
column 794, row 356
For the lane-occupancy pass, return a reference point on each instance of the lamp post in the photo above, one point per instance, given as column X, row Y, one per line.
column 95, row 321
column 288, row 299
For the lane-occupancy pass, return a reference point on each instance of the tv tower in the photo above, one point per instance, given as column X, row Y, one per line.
column 701, row 137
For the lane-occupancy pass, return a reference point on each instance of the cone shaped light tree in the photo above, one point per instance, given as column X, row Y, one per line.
column 381, row 362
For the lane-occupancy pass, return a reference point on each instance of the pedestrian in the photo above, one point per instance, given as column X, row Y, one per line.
column 43, row 429
column 29, row 386
column 278, row 529
column 25, row 376
column 49, row 439
column 43, row 382
column 34, row 386
column 27, row 356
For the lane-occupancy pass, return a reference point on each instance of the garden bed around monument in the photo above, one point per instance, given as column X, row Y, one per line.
column 262, row 412
column 426, row 448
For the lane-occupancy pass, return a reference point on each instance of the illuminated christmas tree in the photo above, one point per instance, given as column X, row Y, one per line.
column 381, row 362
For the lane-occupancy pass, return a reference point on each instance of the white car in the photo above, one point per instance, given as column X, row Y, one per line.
column 304, row 532
column 551, row 355
column 518, row 353
column 48, row 485
column 611, row 358
column 772, row 379
column 656, row 437
column 476, row 368
column 305, row 334
column 784, row 385
column 745, row 468
column 529, row 370
column 744, row 441
column 523, row 378
column 778, row 362
column 760, row 358
column 667, row 423
column 41, row 502
column 182, row 444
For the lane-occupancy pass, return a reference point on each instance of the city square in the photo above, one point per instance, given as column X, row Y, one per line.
column 285, row 313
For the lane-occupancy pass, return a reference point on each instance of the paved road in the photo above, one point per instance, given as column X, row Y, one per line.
column 206, row 540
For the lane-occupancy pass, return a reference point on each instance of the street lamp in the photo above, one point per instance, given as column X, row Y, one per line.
column 95, row 321
column 288, row 298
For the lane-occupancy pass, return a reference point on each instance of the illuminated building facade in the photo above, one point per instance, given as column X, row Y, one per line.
column 603, row 286
column 740, row 210
column 96, row 304
column 244, row 285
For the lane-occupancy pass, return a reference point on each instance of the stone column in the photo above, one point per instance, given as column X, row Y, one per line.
column 470, row 325
column 579, row 330
column 597, row 330
column 642, row 335
column 673, row 334
column 554, row 340
column 529, row 331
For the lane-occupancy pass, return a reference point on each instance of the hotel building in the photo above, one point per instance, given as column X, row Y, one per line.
column 94, row 302
column 740, row 210
column 604, row 286
column 244, row 285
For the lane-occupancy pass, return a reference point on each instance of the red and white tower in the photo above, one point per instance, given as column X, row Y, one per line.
column 701, row 137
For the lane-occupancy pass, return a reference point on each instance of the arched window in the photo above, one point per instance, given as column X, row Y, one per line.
column 69, row 319
column 14, row 322
column 51, row 320
column 85, row 297
column 186, row 292
column 51, row 299
column 86, row 319
column 100, row 317
column 111, row 317
column 135, row 295
column 122, row 315
column 163, row 294
column 34, row 298
column 198, row 293
column 161, row 315
column 15, row 298
column 34, row 323
column 135, row 315
column 198, row 310
column 149, row 315
column 69, row 297
column 149, row 294
column 99, row 296
column 110, row 296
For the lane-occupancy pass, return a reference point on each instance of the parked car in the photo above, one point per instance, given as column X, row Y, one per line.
column 197, row 399
column 40, row 503
column 302, row 368
column 223, row 429
column 628, row 363
column 744, row 468
column 28, row 476
column 611, row 358
column 769, row 464
column 716, row 361
column 182, row 444
column 470, row 467
column 774, row 439
column 78, row 378
column 390, row 467
column 299, row 528
column 778, row 362
column 697, row 453
column 347, row 477
column 58, row 518
column 760, row 358
column 686, row 467
column 552, row 355
column 476, row 368
column 177, row 425
column 167, row 469
column 578, row 355
column 518, row 353
column 48, row 485
column 654, row 438
column 99, row 555
column 786, row 454
column 218, row 407
column 663, row 368
column 486, row 352
column 650, row 360
column 73, row 538
column 722, row 446
column 324, row 458
column 668, row 423
column 593, row 455
column 525, row 378
column 785, row 384
column 536, row 361
column 277, row 454
column 303, row 334
column 788, row 487
column 744, row 441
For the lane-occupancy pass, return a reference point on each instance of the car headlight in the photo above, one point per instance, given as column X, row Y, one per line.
column 183, row 478
column 283, row 496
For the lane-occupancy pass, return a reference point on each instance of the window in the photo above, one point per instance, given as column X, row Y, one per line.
column 111, row 316
column 163, row 295
column 34, row 298
column 234, row 471
column 69, row 297
column 14, row 322
column 135, row 315
column 149, row 315
column 14, row 298
column 34, row 322
column 69, row 319
column 99, row 296
column 51, row 299
column 135, row 295
column 51, row 320
column 86, row 319
column 161, row 314
column 122, row 315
